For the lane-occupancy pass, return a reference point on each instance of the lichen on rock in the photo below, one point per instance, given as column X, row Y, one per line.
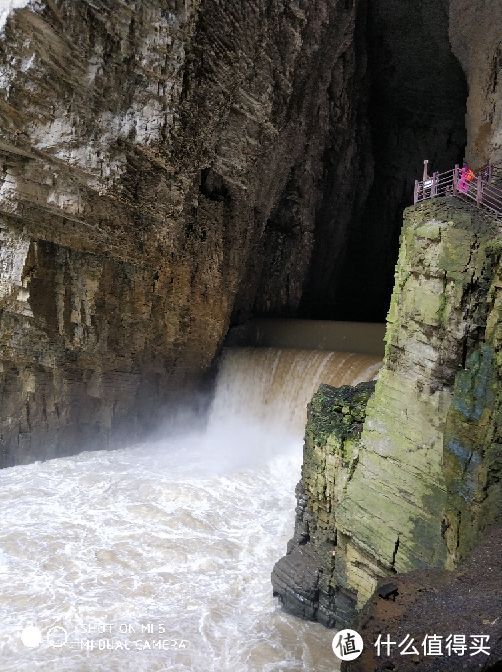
column 422, row 481
column 304, row 578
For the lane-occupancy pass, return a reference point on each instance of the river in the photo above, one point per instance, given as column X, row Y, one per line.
column 158, row 557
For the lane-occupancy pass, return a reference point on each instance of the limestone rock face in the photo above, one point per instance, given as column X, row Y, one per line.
column 476, row 40
column 424, row 478
column 303, row 579
column 144, row 145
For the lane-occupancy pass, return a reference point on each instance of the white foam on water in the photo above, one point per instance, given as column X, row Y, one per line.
column 164, row 545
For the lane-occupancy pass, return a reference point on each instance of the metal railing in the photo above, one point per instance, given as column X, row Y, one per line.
column 483, row 188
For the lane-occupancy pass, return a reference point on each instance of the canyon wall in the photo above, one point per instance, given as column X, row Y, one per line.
column 416, row 110
column 148, row 150
column 170, row 167
column 415, row 484
column 476, row 40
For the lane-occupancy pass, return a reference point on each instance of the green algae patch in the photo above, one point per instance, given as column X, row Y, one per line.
column 473, row 390
column 337, row 413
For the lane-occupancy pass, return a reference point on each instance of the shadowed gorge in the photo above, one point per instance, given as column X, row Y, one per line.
column 136, row 194
column 182, row 175
column 417, row 110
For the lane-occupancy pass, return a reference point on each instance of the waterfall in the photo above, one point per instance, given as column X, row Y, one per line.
column 274, row 385
column 158, row 557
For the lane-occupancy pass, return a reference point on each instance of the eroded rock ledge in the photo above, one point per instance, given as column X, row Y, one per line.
column 304, row 578
column 424, row 479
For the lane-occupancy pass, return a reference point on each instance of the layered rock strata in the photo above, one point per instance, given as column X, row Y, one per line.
column 170, row 167
column 424, row 478
column 144, row 146
column 303, row 578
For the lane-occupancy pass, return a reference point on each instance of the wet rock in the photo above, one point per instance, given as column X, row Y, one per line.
column 303, row 578
column 464, row 602
column 388, row 591
column 418, row 483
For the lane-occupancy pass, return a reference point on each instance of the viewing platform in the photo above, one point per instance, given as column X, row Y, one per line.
column 483, row 187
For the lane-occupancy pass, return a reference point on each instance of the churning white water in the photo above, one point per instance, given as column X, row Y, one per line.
column 159, row 557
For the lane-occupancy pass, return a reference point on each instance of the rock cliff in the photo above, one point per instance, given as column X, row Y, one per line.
column 423, row 480
column 170, row 167
column 148, row 152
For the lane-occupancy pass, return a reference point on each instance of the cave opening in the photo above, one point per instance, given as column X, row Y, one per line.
column 407, row 102
column 416, row 109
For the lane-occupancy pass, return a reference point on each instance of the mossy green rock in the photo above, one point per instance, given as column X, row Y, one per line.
column 423, row 479
column 304, row 578
column 400, row 510
column 337, row 413
column 335, row 421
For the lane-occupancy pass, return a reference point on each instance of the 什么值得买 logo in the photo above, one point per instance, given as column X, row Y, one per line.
column 347, row 645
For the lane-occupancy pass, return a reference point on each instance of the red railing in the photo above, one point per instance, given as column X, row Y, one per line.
column 483, row 188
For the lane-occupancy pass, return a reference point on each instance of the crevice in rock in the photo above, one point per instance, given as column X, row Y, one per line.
column 213, row 185
column 445, row 526
column 394, row 554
